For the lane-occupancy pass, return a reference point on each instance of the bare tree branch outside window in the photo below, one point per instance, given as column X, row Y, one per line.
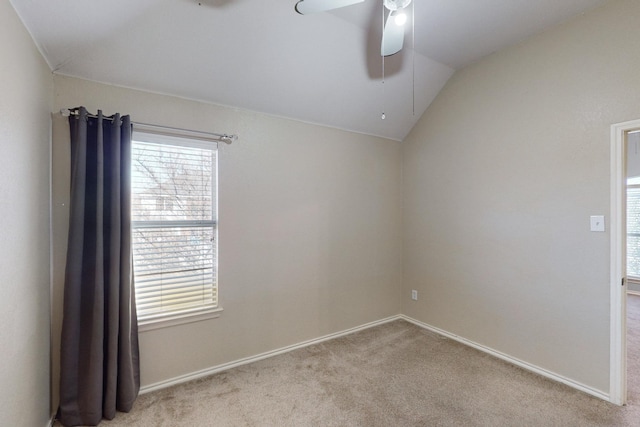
column 173, row 209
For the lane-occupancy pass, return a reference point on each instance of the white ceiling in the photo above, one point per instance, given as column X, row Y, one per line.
column 263, row 56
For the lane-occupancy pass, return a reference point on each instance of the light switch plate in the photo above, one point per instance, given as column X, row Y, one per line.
column 597, row 222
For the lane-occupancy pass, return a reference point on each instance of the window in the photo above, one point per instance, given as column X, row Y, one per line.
column 633, row 229
column 174, row 226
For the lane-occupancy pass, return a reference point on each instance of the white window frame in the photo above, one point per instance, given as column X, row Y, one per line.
column 143, row 133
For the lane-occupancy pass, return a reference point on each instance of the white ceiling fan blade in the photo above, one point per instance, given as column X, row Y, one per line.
column 304, row 7
column 392, row 37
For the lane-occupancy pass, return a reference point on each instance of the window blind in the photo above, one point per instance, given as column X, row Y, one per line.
column 633, row 231
column 174, row 226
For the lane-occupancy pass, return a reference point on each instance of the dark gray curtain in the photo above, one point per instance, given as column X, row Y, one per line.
column 99, row 350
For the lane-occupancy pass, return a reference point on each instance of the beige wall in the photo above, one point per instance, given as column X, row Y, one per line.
column 310, row 236
column 25, row 95
column 500, row 177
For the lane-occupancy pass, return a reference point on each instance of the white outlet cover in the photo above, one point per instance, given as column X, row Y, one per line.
column 597, row 222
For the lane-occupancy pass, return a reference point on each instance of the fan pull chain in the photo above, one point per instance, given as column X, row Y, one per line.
column 383, row 116
column 413, row 54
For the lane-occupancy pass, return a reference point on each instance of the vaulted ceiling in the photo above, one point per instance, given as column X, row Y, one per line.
column 261, row 55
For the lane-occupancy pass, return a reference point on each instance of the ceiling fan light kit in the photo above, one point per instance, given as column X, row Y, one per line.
column 400, row 19
column 396, row 4
column 393, row 33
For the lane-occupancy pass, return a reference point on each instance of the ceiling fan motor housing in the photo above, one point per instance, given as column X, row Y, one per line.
column 396, row 4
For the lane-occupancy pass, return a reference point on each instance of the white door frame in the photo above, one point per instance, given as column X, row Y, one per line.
column 618, row 291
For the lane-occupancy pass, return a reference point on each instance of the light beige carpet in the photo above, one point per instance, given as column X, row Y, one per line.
column 396, row 374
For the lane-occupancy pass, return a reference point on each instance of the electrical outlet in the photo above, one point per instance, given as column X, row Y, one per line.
column 414, row 295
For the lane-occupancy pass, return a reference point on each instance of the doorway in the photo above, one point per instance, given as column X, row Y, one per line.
column 621, row 134
column 632, row 211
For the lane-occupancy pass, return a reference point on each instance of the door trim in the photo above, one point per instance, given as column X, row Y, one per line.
column 618, row 295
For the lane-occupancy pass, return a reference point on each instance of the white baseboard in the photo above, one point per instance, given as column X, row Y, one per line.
column 509, row 359
column 225, row 366
column 525, row 365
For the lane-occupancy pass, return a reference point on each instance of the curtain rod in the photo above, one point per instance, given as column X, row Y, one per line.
column 228, row 139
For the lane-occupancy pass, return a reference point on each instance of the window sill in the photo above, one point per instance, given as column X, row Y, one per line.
column 178, row 319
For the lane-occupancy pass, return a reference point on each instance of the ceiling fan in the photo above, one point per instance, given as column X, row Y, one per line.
column 393, row 33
